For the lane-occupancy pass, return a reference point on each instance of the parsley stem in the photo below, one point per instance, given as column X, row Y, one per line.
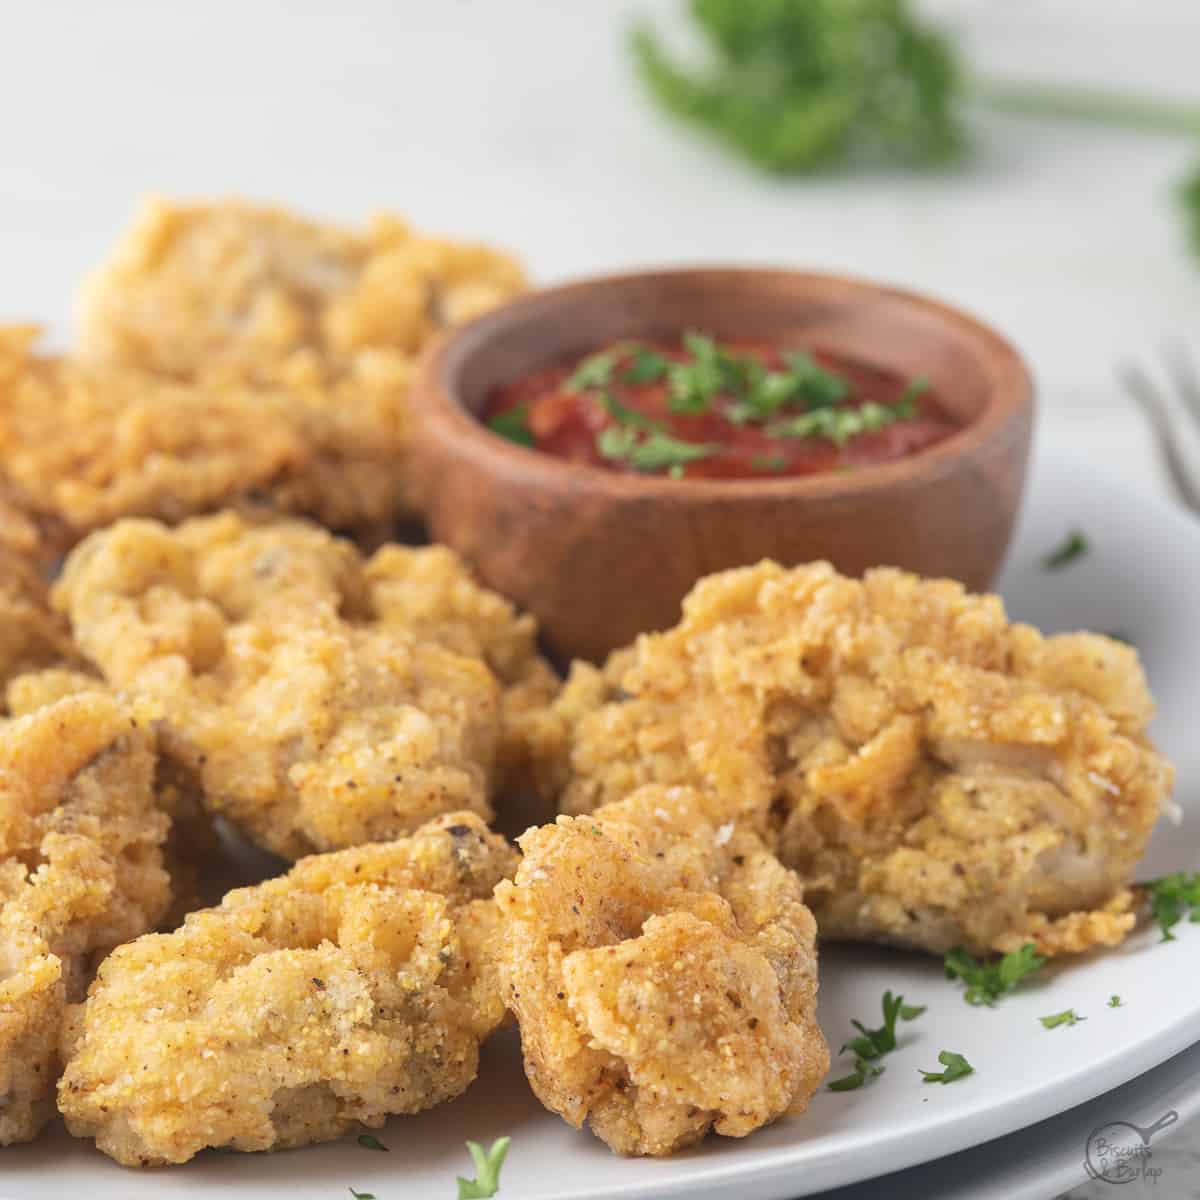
column 1096, row 105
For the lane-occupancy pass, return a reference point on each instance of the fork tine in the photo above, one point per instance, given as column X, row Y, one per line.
column 1162, row 424
column 1182, row 370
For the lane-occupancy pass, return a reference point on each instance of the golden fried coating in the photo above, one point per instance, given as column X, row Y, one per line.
column 358, row 986
column 299, row 711
column 663, row 971
column 936, row 775
column 80, row 872
column 298, row 332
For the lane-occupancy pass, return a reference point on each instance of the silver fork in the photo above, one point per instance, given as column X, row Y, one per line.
column 1155, row 403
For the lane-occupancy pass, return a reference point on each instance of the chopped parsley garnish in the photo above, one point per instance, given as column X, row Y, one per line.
column 816, row 386
column 1067, row 1017
column 695, row 385
column 1172, row 898
column 1074, row 546
column 514, row 425
column 863, row 1071
column 655, row 451
column 624, row 415
column 487, row 1170
column 596, row 371
column 1114, row 1001
column 839, row 425
column 956, row 1066
column 362, row 1195
column 368, row 1141
column 987, row 982
column 647, row 367
column 872, row 1044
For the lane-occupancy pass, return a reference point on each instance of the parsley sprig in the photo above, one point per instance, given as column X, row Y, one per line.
column 1066, row 1017
column 956, row 1067
column 986, row 982
column 1074, row 546
column 513, row 424
column 487, row 1170
column 368, row 1141
column 870, row 1045
column 1172, row 898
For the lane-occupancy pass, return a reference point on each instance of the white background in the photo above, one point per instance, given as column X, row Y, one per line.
column 517, row 121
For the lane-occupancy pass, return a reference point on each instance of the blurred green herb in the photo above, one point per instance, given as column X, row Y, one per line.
column 1171, row 898
column 513, row 424
column 368, row 1141
column 1074, row 545
column 986, row 982
column 1114, row 1001
column 799, row 86
column 1068, row 1017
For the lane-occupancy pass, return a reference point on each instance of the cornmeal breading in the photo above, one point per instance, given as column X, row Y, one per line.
column 291, row 344
column 301, row 711
column 936, row 775
column 80, row 872
column 358, row 986
column 663, row 971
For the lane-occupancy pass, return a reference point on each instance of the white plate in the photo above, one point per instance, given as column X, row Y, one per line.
column 1142, row 578
column 1052, row 1157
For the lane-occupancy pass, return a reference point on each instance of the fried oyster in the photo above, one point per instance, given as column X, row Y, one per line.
column 302, row 690
column 358, row 986
column 663, row 971
column 936, row 775
column 301, row 336
column 81, row 871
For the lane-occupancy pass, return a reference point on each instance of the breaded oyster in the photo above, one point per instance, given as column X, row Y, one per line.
column 663, row 971
column 80, row 872
column 301, row 337
column 936, row 775
column 358, row 986
column 296, row 693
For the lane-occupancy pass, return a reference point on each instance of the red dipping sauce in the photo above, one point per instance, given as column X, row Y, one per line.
column 706, row 410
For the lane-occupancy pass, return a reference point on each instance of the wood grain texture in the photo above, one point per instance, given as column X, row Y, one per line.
column 599, row 557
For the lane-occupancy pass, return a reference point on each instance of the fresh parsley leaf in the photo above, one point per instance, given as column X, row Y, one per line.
column 647, row 367
column 987, row 982
column 1074, row 546
column 1171, row 898
column 1067, row 1017
column 368, row 1141
column 617, row 441
column 487, row 1170
column 818, row 387
column 695, row 385
column 624, row 415
column 800, row 85
column 1115, row 1001
column 361, row 1195
column 956, row 1066
column 863, row 1071
column 654, row 451
column 595, row 371
column 513, row 424
column 660, row 451
column 872, row 1044
column 907, row 404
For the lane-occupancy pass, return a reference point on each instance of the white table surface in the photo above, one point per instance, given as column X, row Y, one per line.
column 518, row 121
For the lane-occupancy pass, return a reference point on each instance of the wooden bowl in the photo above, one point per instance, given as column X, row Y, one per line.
column 599, row 557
